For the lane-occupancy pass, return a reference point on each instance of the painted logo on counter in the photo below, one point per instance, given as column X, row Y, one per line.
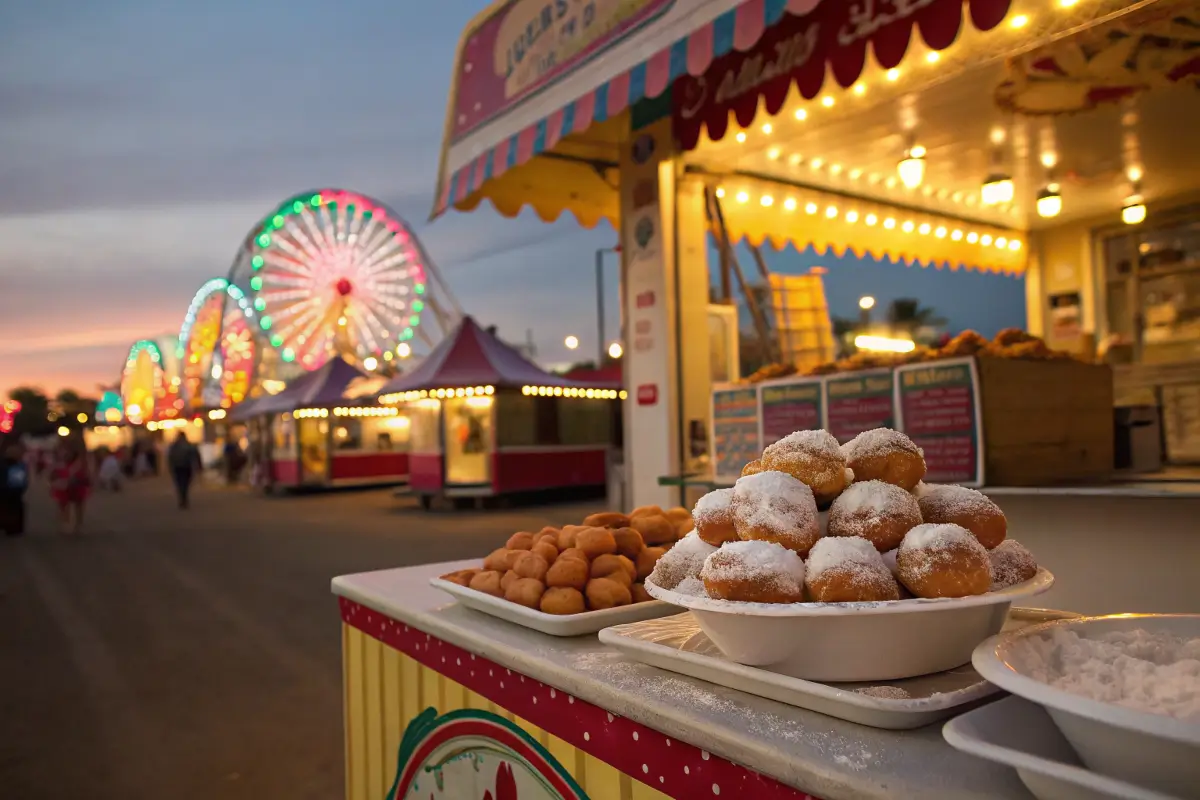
column 643, row 232
column 476, row 755
column 643, row 148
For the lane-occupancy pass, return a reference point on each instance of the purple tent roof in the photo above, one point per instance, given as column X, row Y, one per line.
column 323, row 386
column 470, row 356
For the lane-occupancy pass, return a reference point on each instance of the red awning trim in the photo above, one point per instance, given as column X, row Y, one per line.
column 800, row 50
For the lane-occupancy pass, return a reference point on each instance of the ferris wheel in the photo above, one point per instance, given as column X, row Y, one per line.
column 332, row 272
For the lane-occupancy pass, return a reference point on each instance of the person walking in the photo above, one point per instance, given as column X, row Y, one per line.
column 14, row 480
column 183, row 459
column 70, row 485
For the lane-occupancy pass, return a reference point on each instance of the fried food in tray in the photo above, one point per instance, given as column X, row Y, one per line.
column 577, row 568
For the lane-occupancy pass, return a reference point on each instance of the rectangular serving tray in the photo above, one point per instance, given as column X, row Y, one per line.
column 677, row 644
column 554, row 624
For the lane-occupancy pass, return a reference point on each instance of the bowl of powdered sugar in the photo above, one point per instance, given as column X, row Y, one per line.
column 1124, row 690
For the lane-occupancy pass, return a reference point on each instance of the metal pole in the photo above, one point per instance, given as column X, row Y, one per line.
column 600, row 307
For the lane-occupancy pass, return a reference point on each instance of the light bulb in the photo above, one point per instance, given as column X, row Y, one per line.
column 1134, row 211
column 997, row 189
column 1049, row 201
column 911, row 169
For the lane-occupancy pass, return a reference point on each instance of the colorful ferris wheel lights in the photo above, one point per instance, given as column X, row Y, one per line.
column 288, row 354
column 276, row 340
column 265, row 323
column 420, row 288
column 260, row 304
column 418, row 306
column 257, row 262
column 256, row 283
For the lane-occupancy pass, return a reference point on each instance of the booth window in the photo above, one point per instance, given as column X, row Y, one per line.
column 348, row 435
column 425, row 426
column 529, row 421
column 583, row 422
column 282, row 434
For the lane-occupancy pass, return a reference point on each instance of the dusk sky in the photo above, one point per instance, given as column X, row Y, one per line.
column 142, row 139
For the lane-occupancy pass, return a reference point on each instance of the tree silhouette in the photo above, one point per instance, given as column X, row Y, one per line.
column 33, row 418
column 907, row 314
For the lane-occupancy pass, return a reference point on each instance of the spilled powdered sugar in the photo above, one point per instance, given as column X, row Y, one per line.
column 682, row 561
column 771, row 563
column 774, row 501
column 949, row 501
column 715, row 505
column 885, row 692
column 1155, row 672
column 1012, row 563
column 878, row 442
column 868, row 504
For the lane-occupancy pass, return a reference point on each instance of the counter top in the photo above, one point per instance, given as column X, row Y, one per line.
column 827, row 757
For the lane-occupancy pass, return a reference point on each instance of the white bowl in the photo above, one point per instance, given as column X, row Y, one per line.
column 849, row 642
column 1151, row 750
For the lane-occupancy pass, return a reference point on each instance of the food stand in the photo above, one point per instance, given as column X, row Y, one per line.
column 635, row 123
column 486, row 421
column 320, row 435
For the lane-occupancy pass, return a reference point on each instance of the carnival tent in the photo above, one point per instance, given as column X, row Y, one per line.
column 471, row 356
column 324, row 386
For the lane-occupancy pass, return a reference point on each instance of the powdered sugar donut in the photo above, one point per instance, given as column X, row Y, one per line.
column 972, row 510
column 1012, row 563
column 713, row 515
column 775, row 507
column 812, row 457
column 885, row 455
column 943, row 561
column 753, row 467
column 754, row 572
column 682, row 561
column 848, row 569
column 879, row 512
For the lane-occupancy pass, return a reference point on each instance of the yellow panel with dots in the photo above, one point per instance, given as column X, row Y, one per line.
column 386, row 690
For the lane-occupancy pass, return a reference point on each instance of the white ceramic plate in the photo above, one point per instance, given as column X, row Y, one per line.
column 553, row 624
column 854, row 642
column 677, row 644
column 1021, row 734
column 1151, row 750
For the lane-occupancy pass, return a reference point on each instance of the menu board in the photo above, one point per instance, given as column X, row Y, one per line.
column 859, row 401
column 734, row 430
column 939, row 409
column 789, row 406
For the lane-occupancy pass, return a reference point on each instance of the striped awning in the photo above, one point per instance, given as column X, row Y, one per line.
column 528, row 73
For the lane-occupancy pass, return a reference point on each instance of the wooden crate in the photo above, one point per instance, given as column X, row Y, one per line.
column 1046, row 422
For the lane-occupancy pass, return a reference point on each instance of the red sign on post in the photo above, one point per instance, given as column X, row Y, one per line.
column 647, row 394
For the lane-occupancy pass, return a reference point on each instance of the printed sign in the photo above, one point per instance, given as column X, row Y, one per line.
column 790, row 407
column 859, row 401
column 528, row 44
column 734, row 437
column 476, row 755
column 801, row 49
column 939, row 410
column 647, row 394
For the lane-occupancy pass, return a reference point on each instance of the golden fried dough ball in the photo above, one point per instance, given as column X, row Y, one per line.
column 943, row 561
column 568, row 572
column 596, row 542
column 525, row 592
column 462, row 577
column 682, row 561
column 647, row 511
column 885, row 455
column 959, row 505
column 848, row 569
column 1011, row 336
column 1011, row 564
column 508, row 578
column 754, row 572
column 776, row 507
column 566, row 537
column 547, row 550
column 629, row 542
column 520, row 541
column 879, row 512
column 646, row 560
column 714, row 517
column 488, row 582
column 563, row 600
column 531, row 565
column 501, row 560
column 547, row 533
column 639, row 594
column 607, row 519
column 607, row 593
column 681, row 519
column 608, row 565
column 654, row 528
column 574, row 552
column 812, row 457
column 753, row 467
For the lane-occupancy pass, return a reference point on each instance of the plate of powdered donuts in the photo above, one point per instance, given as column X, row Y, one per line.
column 836, row 562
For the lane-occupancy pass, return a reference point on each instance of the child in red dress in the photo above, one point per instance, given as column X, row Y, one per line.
column 70, row 485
